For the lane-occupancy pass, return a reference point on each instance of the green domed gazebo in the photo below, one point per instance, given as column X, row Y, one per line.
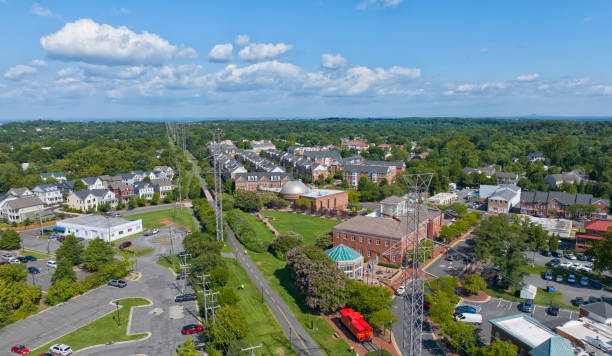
column 348, row 260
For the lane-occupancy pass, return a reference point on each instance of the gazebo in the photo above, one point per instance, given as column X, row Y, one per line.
column 348, row 260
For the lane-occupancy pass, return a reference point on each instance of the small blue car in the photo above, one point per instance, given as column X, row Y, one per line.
column 33, row 270
column 466, row 309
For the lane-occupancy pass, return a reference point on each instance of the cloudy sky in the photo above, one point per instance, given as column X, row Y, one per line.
column 318, row 58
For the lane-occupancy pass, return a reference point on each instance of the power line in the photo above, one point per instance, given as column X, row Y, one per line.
column 251, row 348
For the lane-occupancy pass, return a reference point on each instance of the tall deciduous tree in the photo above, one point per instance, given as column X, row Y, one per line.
column 230, row 327
column 602, row 251
column 97, row 254
column 9, row 240
column 71, row 249
column 64, row 271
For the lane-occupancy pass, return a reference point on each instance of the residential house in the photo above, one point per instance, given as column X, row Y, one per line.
column 536, row 156
column 58, row 176
column 500, row 198
column 255, row 180
column 138, row 175
column 258, row 146
column 66, row 187
column 488, row 171
column 121, row 190
column 49, row 194
column 594, row 230
column 92, row 183
column 555, row 180
column 105, row 196
column 144, row 190
column 128, row 178
column 559, row 204
column 4, row 198
column 20, row 209
column 20, row 192
column 107, row 180
column 162, row 186
column 506, row 177
column 168, row 171
column 82, row 200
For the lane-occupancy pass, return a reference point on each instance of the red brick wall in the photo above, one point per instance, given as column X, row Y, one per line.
column 340, row 200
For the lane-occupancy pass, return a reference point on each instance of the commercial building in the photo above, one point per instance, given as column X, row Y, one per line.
column 258, row 146
column 523, row 331
column 561, row 204
column 588, row 334
column 443, row 198
column 320, row 199
column 348, row 260
column 561, row 227
column 106, row 228
column 386, row 235
column 500, row 198
column 593, row 231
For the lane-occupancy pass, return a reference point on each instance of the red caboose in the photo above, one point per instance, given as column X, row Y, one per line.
column 355, row 323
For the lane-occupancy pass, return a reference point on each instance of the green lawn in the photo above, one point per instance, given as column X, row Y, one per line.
column 261, row 230
column 39, row 255
column 310, row 227
column 155, row 219
column 135, row 251
column 263, row 327
column 102, row 330
column 545, row 298
column 167, row 262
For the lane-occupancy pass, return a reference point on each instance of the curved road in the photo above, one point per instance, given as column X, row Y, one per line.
column 302, row 342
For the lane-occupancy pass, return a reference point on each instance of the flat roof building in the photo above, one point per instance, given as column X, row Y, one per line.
column 107, row 228
column 521, row 330
column 588, row 334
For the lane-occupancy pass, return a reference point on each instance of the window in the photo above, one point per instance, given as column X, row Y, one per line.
column 369, row 253
column 497, row 334
column 387, row 243
column 360, row 238
column 393, row 258
column 344, row 236
column 377, row 241
column 352, row 237
column 369, row 240
column 361, row 251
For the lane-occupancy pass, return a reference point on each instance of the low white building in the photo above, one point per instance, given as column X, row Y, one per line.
column 48, row 193
column 443, row 199
column 106, row 228
column 20, row 209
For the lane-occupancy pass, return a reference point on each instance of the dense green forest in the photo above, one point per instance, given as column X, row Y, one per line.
column 452, row 144
column 78, row 149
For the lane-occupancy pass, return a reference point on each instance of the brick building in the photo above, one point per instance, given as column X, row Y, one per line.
column 255, row 180
column 320, row 199
column 559, row 203
column 594, row 230
column 377, row 236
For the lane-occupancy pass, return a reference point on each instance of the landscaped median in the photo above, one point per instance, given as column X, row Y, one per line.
column 107, row 329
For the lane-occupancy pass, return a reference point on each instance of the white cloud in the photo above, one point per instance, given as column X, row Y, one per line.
column 587, row 19
column 122, row 11
column 484, row 49
column 528, row 77
column 19, row 71
column 38, row 10
column 241, row 40
column 38, row 63
column 271, row 74
column 187, row 53
column 260, row 51
column 221, row 53
column 86, row 41
column 331, row 61
column 364, row 4
column 602, row 89
column 473, row 88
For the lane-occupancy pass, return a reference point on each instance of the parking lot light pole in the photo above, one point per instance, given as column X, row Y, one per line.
column 118, row 320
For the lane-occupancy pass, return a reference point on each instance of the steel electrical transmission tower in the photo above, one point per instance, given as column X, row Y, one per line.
column 415, row 253
column 218, row 182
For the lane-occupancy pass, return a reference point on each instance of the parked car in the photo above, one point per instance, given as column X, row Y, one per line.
column 469, row 318
column 119, row 283
column 7, row 256
column 553, row 310
column 570, row 256
column 185, row 297
column 559, row 278
column 53, row 236
column 61, row 350
column 181, row 276
column 546, row 253
column 46, row 354
column 586, row 268
column 426, row 304
column 584, row 281
column 117, row 215
column 578, row 301
column 22, row 259
column 80, row 239
column 565, row 264
column 575, row 266
column 465, row 309
column 30, row 258
column 33, row 270
column 15, row 260
column 125, row 245
column 548, row 276
column 52, row 263
column 191, row 329
column 596, row 284
column 200, row 346
column 558, row 253
column 591, row 258
column 155, row 231
column 20, row 349
column 400, row 291
column 527, row 306
column 582, row 257
column 593, row 299
column 571, row 279
column 62, row 239
column 554, row 262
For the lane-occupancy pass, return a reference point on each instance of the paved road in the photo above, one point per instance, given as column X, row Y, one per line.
column 157, row 283
column 302, row 342
column 430, row 346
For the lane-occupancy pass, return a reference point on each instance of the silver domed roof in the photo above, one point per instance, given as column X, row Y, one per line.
column 295, row 187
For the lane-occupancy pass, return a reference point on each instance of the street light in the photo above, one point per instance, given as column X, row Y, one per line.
column 118, row 320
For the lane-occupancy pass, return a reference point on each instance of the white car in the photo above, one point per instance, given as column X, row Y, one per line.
column 7, row 256
column 61, row 350
column 570, row 256
column 14, row 260
column 565, row 264
column 154, row 231
column 400, row 291
column 587, row 268
column 575, row 266
column 469, row 318
column 52, row 263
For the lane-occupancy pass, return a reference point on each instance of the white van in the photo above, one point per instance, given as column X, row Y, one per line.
column 469, row 318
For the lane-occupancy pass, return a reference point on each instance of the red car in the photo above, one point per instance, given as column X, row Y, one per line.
column 20, row 349
column 61, row 239
column 125, row 245
column 46, row 354
column 191, row 329
column 426, row 304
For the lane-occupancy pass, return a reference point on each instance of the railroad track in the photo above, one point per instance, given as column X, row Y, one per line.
column 369, row 346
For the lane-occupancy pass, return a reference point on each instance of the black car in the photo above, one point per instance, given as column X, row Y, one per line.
column 546, row 253
column 30, row 258
column 181, row 276
column 22, row 259
column 592, row 300
column 558, row 254
column 185, row 298
column 553, row 310
column 578, row 301
column 469, row 259
column 119, row 283
column 582, row 257
column 554, row 262
column 596, row 284
column 449, row 257
column 33, row 270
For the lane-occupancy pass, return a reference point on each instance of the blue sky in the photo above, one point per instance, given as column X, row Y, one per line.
column 319, row 58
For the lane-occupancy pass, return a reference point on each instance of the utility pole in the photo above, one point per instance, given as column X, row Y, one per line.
column 213, row 304
column 205, row 290
column 185, row 267
column 250, row 349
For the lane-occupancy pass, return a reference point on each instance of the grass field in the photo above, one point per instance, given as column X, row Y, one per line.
column 135, row 251
column 167, row 262
column 280, row 279
column 263, row 328
column 261, row 230
column 155, row 219
column 310, row 227
column 37, row 254
column 100, row 331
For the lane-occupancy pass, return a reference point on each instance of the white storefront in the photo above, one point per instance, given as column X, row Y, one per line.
column 99, row 226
